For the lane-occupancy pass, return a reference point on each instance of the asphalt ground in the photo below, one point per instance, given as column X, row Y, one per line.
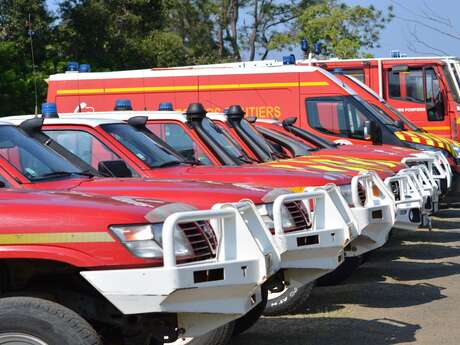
column 406, row 292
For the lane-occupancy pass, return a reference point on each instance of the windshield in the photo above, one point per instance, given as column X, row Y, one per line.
column 224, row 138
column 452, row 74
column 143, row 147
column 288, row 137
column 399, row 116
column 34, row 160
column 380, row 114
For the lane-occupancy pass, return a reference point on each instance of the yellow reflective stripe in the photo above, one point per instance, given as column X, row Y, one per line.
column 189, row 87
column 296, row 189
column 63, row 237
column 436, row 128
column 283, row 166
column 346, row 165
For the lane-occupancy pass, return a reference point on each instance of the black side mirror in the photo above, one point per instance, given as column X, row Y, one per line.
column 289, row 121
column 372, row 132
column 115, row 168
column 435, row 111
column 2, row 184
column 188, row 154
column 400, row 124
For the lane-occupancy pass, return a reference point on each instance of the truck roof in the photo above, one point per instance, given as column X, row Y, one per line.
column 93, row 122
column 183, row 71
column 126, row 115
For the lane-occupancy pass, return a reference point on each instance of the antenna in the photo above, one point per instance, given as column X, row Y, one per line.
column 33, row 64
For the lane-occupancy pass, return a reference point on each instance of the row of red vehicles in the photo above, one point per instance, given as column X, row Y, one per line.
column 186, row 226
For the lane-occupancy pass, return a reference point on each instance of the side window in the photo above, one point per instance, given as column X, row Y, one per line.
column 406, row 85
column 336, row 116
column 83, row 145
column 434, row 100
column 3, row 182
column 327, row 116
column 357, row 73
column 175, row 136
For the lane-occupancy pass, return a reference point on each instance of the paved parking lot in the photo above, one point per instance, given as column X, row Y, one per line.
column 406, row 292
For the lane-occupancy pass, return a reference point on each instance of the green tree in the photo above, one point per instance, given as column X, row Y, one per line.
column 344, row 30
column 17, row 80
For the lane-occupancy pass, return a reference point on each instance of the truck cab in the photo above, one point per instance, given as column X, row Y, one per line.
column 425, row 90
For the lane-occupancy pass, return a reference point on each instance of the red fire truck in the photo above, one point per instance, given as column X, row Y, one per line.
column 425, row 89
column 268, row 89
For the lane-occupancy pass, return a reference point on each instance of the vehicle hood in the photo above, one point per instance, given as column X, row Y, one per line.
column 269, row 175
column 58, row 211
column 333, row 163
column 201, row 195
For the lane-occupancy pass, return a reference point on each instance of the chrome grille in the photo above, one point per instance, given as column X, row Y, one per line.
column 202, row 239
column 395, row 190
column 299, row 214
column 361, row 194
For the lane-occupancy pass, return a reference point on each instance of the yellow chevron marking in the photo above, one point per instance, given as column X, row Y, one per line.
column 189, row 87
column 63, row 237
column 400, row 136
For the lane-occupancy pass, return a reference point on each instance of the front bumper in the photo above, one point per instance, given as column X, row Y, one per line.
column 205, row 294
column 308, row 254
column 408, row 201
column 438, row 168
column 375, row 217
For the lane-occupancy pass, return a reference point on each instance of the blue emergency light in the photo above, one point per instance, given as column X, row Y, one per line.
column 166, row 106
column 49, row 110
column 123, row 104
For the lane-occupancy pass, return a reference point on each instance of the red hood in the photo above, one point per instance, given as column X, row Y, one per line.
column 69, row 211
column 197, row 194
column 388, row 160
column 390, row 150
column 253, row 175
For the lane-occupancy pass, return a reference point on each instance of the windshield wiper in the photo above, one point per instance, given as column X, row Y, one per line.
column 192, row 162
column 58, row 174
column 168, row 164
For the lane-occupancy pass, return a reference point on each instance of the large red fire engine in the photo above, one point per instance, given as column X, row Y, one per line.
column 425, row 89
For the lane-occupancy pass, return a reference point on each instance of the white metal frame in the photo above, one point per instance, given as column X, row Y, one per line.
column 410, row 201
column 246, row 255
column 305, row 261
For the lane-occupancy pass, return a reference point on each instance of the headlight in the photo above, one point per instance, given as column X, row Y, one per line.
column 346, row 192
column 266, row 212
column 456, row 150
column 146, row 241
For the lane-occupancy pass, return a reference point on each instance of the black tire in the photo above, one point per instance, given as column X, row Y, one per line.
column 247, row 321
column 219, row 336
column 46, row 321
column 341, row 273
column 290, row 301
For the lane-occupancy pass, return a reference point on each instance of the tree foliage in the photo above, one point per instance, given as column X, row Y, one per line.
column 125, row 34
column 344, row 30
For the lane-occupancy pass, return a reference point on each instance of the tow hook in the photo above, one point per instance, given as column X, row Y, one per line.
column 427, row 223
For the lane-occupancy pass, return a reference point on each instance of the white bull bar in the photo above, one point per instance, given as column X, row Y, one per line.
column 310, row 253
column 205, row 294
column 436, row 168
column 428, row 189
column 375, row 217
column 409, row 203
column 371, row 222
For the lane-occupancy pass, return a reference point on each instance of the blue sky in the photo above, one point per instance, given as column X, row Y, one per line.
column 398, row 34
column 412, row 17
